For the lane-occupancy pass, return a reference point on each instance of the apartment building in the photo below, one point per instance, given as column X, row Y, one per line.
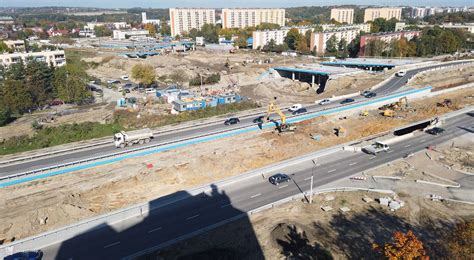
column 419, row 12
column 130, row 34
column 185, row 19
column 364, row 27
column 17, row 45
column 386, row 37
column 245, row 17
column 319, row 39
column 147, row 21
column 388, row 13
column 57, row 58
column 262, row 38
column 343, row 15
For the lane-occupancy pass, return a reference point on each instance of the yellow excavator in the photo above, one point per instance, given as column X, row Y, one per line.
column 282, row 126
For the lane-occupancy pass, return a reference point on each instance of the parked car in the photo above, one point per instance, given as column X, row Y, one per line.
column 365, row 93
column 26, row 255
column 127, row 90
column 119, row 89
column 401, row 73
column 150, row 90
column 232, row 121
column 128, row 85
column 113, row 81
column 124, row 78
column 371, row 95
column 299, row 111
column 347, row 100
column 258, row 119
column 435, row 131
column 279, row 178
column 324, row 102
column 295, row 107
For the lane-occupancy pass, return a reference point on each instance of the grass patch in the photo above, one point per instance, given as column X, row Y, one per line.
column 52, row 136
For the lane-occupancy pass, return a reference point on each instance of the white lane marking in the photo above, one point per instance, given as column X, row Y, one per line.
column 113, row 244
column 153, row 230
column 226, row 205
column 421, row 141
column 256, row 195
column 354, row 163
column 373, row 157
column 309, row 178
column 333, row 170
column 408, row 145
column 281, row 187
column 195, row 216
column 391, row 151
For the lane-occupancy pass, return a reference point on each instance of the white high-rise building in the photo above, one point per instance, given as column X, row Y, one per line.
column 388, row 13
column 419, row 12
column 185, row 19
column 146, row 21
column 343, row 15
column 319, row 39
column 262, row 38
column 245, row 17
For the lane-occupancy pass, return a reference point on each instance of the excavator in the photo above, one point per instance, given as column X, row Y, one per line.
column 282, row 126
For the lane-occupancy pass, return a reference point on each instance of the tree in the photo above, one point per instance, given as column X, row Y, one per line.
column 342, row 51
column 241, row 41
column 145, row 74
column 331, row 45
column 375, row 48
column 354, row 47
column 102, row 31
column 5, row 115
column 302, row 46
column 151, row 28
column 403, row 246
column 210, row 32
column 70, row 84
column 292, row 37
column 281, row 47
column 461, row 240
column 165, row 29
column 16, row 97
column 39, row 77
column 4, row 47
column 270, row 46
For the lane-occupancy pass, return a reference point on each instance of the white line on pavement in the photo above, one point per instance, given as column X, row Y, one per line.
column 373, row 157
column 281, row 187
column 195, row 216
column 256, row 195
column 226, row 205
column 408, row 145
column 354, row 163
column 333, row 170
column 391, row 151
column 153, row 230
column 421, row 141
column 113, row 244
column 309, row 178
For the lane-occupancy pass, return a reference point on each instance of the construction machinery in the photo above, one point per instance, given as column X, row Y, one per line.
column 446, row 103
column 401, row 104
column 282, row 126
column 364, row 113
column 388, row 113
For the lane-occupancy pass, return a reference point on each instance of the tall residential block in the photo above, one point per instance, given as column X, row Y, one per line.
column 185, row 19
column 262, row 38
column 343, row 15
column 388, row 13
column 245, row 17
column 319, row 39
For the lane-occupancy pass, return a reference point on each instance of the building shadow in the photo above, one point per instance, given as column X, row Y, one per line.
column 170, row 217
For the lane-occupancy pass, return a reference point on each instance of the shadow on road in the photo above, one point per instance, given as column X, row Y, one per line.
column 163, row 224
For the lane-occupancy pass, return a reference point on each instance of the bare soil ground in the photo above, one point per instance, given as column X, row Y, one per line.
column 299, row 230
column 445, row 78
column 50, row 203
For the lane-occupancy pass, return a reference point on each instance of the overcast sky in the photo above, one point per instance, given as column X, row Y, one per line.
column 222, row 3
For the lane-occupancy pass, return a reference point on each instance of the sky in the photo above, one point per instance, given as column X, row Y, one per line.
column 222, row 3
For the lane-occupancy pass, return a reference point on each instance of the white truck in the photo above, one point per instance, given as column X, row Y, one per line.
column 376, row 148
column 130, row 138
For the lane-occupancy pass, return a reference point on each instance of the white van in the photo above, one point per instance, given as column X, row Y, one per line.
column 401, row 73
column 295, row 107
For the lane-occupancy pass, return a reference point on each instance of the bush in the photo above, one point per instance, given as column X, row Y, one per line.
column 212, row 79
column 5, row 116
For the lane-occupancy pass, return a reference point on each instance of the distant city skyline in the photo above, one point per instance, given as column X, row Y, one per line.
column 221, row 4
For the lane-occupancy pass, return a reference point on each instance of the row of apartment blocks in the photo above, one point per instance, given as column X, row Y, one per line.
column 420, row 12
column 385, row 37
column 184, row 19
column 57, row 58
column 346, row 15
column 348, row 32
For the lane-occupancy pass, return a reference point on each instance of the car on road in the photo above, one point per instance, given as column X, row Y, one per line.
column 365, row 93
column 299, row 111
column 113, row 81
column 324, row 102
column 232, row 121
column 401, row 73
column 295, row 107
column 279, row 178
column 258, row 119
column 347, row 100
column 124, row 78
column 26, row 255
column 371, row 95
column 435, row 131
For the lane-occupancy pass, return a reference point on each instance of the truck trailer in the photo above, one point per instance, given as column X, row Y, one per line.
column 130, row 138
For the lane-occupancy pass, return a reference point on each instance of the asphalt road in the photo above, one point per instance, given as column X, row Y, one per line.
column 390, row 86
column 185, row 216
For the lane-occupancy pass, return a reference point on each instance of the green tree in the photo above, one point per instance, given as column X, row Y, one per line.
column 39, row 78
column 331, row 45
column 70, row 84
column 375, row 48
column 342, row 51
column 354, row 47
column 165, row 29
column 281, row 47
column 145, row 74
column 241, row 41
column 292, row 38
column 210, row 32
column 16, row 97
column 5, row 115
column 270, row 46
column 4, row 47
column 102, row 31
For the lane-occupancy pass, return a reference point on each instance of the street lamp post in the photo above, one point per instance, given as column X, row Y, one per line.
column 312, row 177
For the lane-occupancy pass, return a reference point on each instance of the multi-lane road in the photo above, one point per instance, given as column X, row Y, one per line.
column 132, row 236
column 390, row 86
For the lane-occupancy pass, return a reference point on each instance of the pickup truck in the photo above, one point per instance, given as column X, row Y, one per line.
column 376, row 148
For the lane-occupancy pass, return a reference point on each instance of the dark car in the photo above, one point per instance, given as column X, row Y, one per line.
column 299, row 111
column 365, row 93
column 232, row 121
column 27, row 255
column 258, row 119
column 435, row 131
column 279, row 178
column 371, row 95
column 347, row 100
column 127, row 90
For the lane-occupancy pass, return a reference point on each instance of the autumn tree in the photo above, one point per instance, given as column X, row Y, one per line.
column 151, row 28
column 403, row 246
column 302, row 46
column 460, row 243
column 145, row 74
column 241, row 41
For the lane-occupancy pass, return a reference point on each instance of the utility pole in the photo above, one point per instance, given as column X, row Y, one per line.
column 312, row 177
